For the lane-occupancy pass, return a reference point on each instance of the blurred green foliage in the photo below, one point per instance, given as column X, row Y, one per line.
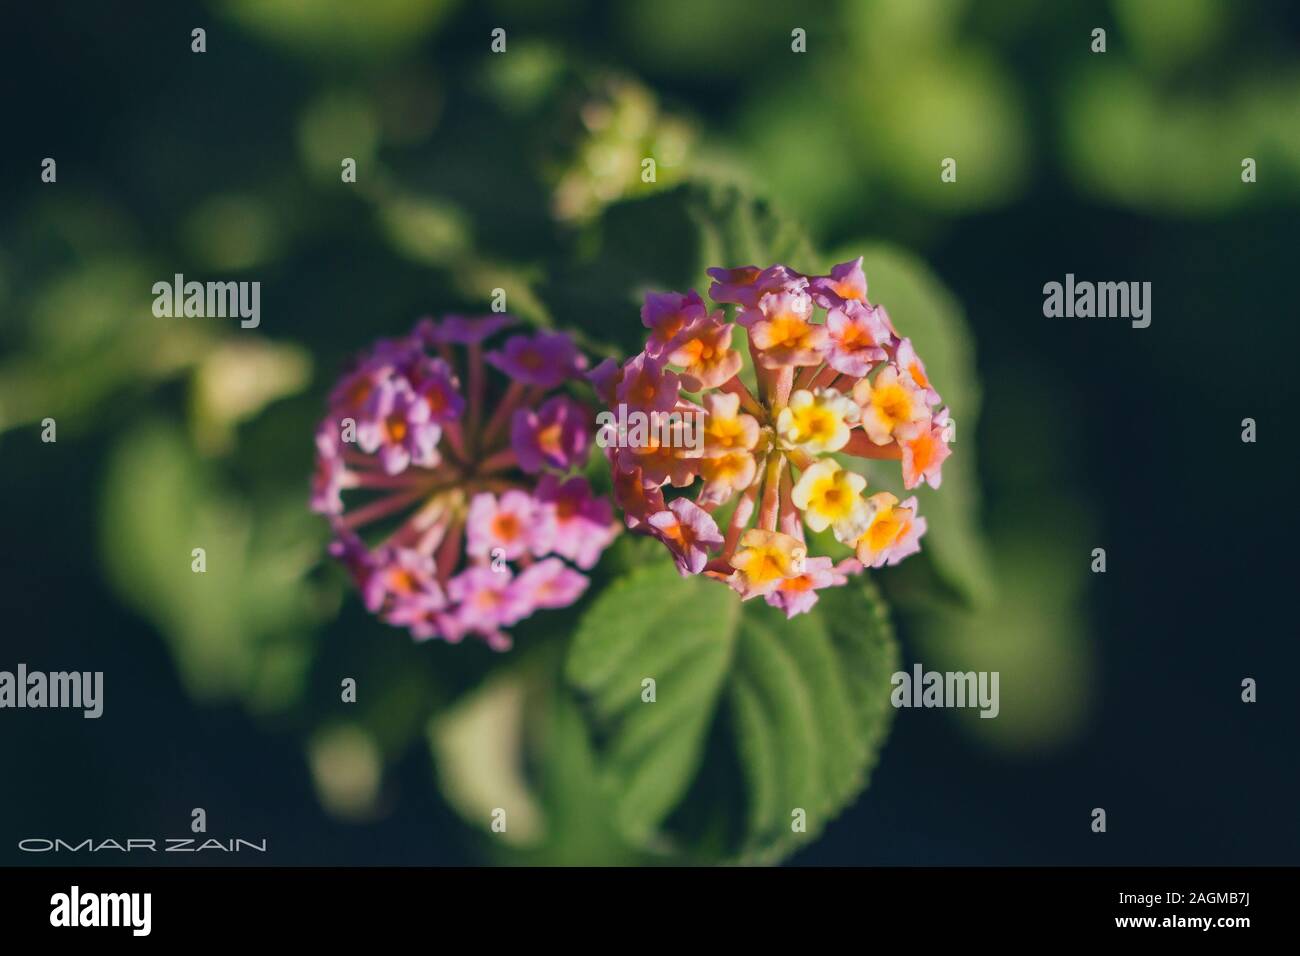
column 523, row 172
column 242, row 628
column 338, row 28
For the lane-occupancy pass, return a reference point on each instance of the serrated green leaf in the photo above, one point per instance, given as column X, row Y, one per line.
column 241, row 628
column 810, row 707
column 679, row 632
column 806, row 700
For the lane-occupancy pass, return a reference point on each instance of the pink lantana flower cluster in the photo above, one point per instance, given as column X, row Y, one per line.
column 833, row 377
column 459, row 464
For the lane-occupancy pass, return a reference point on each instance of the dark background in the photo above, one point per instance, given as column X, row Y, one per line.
column 1136, row 433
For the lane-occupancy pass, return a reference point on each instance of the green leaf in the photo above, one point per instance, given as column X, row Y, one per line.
column 242, row 627
column 804, row 702
column 339, row 28
column 679, row 632
column 810, row 708
column 519, row 744
column 478, row 746
column 924, row 311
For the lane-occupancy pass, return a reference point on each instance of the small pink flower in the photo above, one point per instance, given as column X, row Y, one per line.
column 605, row 379
column 397, row 425
column 458, row 330
column 665, row 314
column 549, row 584
column 556, row 435
column 659, row 462
column 404, row 587
column 581, row 525
column 704, row 351
column 486, row 600
column 435, row 383
column 637, row 497
column 504, row 523
column 925, row 448
column 545, row 359
column 689, row 532
column 910, row 362
column 351, row 393
column 330, row 478
column 782, row 330
column 748, row 284
column 797, row 594
column 856, row 339
column 646, row 385
column 846, row 283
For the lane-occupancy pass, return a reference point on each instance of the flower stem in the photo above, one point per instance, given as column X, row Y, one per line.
column 449, row 550
column 842, row 383
column 807, row 376
column 739, row 520
column 826, row 378
column 477, row 385
column 789, row 521
column 771, row 485
column 499, row 461
column 735, row 386
column 456, row 439
column 513, row 396
column 375, row 479
column 783, row 381
column 381, row 508
column 863, row 447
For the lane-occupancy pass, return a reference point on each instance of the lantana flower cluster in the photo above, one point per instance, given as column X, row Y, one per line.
column 833, row 378
column 464, row 511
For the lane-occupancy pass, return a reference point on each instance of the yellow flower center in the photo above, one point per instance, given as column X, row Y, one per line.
column 762, row 565
column 814, row 424
column 786, row 330
column 767, row 556
column 885, row 529
column 894, row 404
column 854, row 337
column 722, row 466
column 832, row 497
column 725, row 432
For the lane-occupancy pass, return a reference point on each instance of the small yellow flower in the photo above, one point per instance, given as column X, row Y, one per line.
column 724, row 474
column 817, row 421
column 888, row 403
column 766, row 558
column 725, row 428
column 829, row 496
